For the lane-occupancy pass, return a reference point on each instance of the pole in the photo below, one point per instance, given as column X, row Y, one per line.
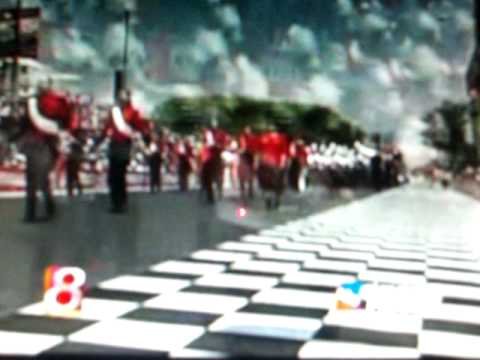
column 127, row 35
column 17, row 50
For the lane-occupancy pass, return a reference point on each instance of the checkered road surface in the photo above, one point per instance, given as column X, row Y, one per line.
column 273, row 293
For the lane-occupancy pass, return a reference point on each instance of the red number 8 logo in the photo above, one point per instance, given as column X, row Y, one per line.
column 64, row 289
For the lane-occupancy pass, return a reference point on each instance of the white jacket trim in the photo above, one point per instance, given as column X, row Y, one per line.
column 120, row 123
column 40, row 122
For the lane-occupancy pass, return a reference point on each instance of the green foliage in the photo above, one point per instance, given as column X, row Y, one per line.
column 446, row 131
column 314, row 123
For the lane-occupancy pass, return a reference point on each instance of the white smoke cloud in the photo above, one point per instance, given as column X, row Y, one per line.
column 251, row 81
column 424, row 24
column 72, row 51
column 463, row 21
column 393, row 105
column 380, row 73
column 211, row 43
column 409, row 138
column 325, row 91
column 345, row 7
column 300, row 39
column 373, row 22
column 426, row 63
column 113, row 44
column 228, row 16
column 334, row 58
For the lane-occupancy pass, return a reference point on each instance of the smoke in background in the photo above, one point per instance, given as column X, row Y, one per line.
column 383, row 63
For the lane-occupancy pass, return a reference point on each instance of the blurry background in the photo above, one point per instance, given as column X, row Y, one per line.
column 383, row 64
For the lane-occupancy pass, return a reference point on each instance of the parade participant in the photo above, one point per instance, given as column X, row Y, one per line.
column 274, row 152
column 299, row 155
column 124, row 126
column 154, row 156
column 185, row 154
column 47, row 113
column 212, row 167
column 248, row 144
column 74, row 159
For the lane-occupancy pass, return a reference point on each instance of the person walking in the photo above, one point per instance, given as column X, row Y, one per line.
column 125, row 125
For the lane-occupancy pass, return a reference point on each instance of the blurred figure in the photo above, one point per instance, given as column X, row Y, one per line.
column 154, row 156
column 248, row 143
column 377, row 165
column 185, row 156
column 123, row 127
column 274, row 150
column 47, row 114
column 212, row 164
column 74, row 160
column 298, row 166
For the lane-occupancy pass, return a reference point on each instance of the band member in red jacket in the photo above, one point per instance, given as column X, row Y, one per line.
column 299, row 156
column 186, row 158
column 125, row 125
column 274, row 155
column 49, row 114
column 248, row 143
column 212, row 167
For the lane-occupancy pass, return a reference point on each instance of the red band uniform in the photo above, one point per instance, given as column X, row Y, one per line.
column 48, row 114
column 123, row 125
column 214, row 143
column 274, row 152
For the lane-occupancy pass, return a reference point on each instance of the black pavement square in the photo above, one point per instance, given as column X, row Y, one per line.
column 321, row 288
column 460, row 301
column 42, row 324
column 80, row 349
column 451, row 326
column 172, row 316
column 243, row 345
column 284, row 310
column 220, row 291
column 133, row 296
column 333, row 332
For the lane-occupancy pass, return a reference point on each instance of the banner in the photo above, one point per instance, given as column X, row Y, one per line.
column 28, row 32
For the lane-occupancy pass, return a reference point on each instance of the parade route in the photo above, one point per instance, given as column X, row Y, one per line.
column 273, row 292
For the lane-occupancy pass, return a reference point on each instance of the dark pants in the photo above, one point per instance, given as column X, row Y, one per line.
column 271, row 180
column 184, row 170
column 73, row 176
column 294, row 173
column 40, row 162
column 117, row 175
column 246, row 174
column 377, row 173
column 155, row 164
column 212, row 173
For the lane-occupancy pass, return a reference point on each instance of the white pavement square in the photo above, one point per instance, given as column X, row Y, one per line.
column 26, row 344
column 138, row 335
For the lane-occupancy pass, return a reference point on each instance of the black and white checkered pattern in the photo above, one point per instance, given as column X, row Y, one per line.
column 273, row 293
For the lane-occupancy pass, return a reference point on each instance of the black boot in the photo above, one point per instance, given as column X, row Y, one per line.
column 30, row 213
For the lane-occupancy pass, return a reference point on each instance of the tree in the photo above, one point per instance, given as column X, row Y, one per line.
column 313, row 123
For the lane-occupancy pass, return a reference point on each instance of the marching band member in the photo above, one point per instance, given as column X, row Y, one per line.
column 49, row 116
column 274, row 153
column 124, row 126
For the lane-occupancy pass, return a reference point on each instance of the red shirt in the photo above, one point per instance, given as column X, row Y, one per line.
column 132, row 118
column 216, row 137
column 56, row 106
column 249, row 142
column 222, row 139
column 274, row 149
column 205, row 153
column 300, row 152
